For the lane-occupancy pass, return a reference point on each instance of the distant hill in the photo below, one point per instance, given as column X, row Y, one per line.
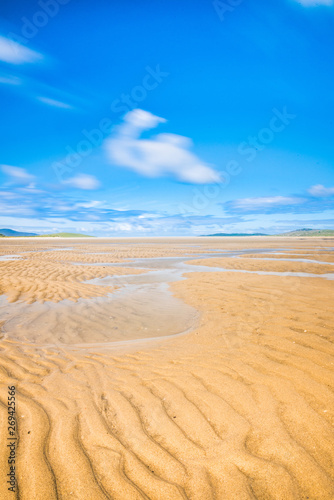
column 299, row 232
column 236, row 234
column 309, row 232
column 11, row 232
column 65, row 235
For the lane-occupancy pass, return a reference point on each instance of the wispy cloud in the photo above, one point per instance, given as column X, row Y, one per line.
column 13, row 53
column 17, row 175
column 54, row 102
column 321, row 191
column 83, row 181
column 164, row 154
column 314, row 3
column 42, row 210
column 10, row 80
column 64, row 209
column 319, row 200
column 266, row 202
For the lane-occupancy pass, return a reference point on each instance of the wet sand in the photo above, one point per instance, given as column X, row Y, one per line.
column 268, row 264
column 238, row 404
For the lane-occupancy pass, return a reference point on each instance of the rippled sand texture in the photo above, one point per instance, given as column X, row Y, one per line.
column 40, row 277
column 240, row 408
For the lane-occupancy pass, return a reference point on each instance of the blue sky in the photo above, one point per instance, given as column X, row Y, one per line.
column 147, row 118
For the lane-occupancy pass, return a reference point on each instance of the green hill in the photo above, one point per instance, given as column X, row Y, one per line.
column 65, row 235
column 309, row 232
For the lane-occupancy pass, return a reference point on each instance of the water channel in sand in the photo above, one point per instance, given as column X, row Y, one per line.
column 141, row 307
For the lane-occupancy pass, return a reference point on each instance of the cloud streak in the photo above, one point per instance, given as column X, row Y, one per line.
column 13, row 53
column 17, row 175
column 320, row 200
column 54, row 102
column 10, row 80
column 321, row 191
column 266, row 202
column 315, row 3
column 56, row 211
column 159, row 156
column 83, row 181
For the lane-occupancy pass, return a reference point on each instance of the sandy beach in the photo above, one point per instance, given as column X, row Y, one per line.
column 165, row 369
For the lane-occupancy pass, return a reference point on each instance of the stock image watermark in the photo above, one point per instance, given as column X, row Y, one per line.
column 249, row 148
column 30, row 26
column 226, row 7
column 94, row 138
column 12, row 439
column 279, row 121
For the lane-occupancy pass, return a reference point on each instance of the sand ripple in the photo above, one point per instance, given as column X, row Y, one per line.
column 241, row 408
column 34, row 279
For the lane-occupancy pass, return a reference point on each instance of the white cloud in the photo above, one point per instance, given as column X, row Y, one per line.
column 30, row 189
column 314, row 3
column 17, row 174
column 14, row 53
column 164, row 154
column 54, row 102
column 88, row 204
column 83, row 181
column 267, row 202
column 10, row 80
column 321, row 191
column 8, row 195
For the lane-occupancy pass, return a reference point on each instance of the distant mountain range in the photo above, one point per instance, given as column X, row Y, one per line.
column 11, row 232
column 298, row 232
column 236, row 234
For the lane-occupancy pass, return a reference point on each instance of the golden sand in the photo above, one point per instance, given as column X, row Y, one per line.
column 259, row 264
column 240, row 408
column 32, row 280
column 297, row 254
